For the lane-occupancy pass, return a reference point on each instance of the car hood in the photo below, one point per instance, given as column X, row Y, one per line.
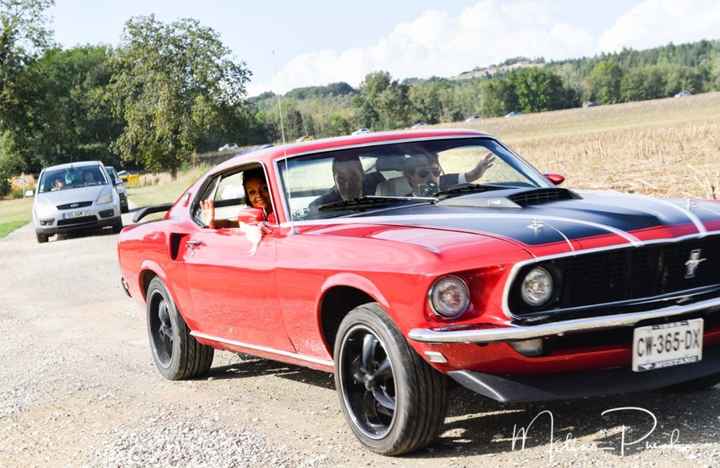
column 81, row 194
column 569, row 224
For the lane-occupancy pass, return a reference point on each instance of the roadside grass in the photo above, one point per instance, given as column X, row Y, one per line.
column 165, row 190
column 14, row 214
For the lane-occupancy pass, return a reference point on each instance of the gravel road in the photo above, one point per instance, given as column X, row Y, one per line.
column 78, row 388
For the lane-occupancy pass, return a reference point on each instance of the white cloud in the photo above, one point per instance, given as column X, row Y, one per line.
column 490, row 31
column 658, row 22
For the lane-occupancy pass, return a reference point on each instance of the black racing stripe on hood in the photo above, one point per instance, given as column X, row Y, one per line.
column 594, row 214
column 513, row 224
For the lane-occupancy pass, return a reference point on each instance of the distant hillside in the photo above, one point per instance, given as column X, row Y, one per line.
column 505, row 67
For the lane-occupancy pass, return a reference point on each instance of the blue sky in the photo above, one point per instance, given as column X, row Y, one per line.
column 288, row 44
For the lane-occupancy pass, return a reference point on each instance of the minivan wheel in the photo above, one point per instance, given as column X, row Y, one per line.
column 394, row 401
column 176, row 353
column 41, row 238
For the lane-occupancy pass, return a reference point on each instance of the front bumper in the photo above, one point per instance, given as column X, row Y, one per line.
column 96, row 216
column 516, row 333
column 79, row 226
column 545, row 387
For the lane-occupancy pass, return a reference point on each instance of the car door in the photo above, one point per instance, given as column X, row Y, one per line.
column 233, row 285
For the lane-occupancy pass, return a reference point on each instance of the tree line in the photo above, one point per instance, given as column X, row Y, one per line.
column 382, row 103
column 171, row 90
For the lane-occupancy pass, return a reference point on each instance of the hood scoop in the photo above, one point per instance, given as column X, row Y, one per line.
column 542, row 195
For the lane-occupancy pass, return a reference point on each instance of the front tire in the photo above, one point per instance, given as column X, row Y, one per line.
column 394, row 401
column 177, row 354
column 41, row 238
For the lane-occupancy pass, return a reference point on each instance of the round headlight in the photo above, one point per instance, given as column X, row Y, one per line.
column 537, row 287
column 449, row 297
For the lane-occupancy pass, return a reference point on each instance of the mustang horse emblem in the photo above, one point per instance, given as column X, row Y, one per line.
column 693, row 263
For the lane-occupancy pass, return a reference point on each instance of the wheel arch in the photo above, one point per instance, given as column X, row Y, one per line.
column 148, row 271
column 339, row 295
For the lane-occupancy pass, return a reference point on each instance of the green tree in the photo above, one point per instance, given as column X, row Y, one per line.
column 499, row 97
column 175, row 84
column 337, row 125
column 24, row 34
column 642, row 83
column 382, row 103
column 540, row 90
column 606, row 79
column 72, row 116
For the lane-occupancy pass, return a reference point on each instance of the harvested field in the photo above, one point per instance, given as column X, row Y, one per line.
column 667, row 147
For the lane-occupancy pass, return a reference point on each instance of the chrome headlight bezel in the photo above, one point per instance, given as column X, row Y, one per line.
column 443, row 309
column 532, row 296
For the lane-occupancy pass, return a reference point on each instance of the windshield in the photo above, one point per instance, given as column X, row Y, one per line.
column 72, row 177
column 330, row 184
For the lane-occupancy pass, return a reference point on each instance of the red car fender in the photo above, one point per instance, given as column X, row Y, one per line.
column 352, row 280
column 155, row 268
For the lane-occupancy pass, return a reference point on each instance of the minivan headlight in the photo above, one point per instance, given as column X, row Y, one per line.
column 104, row 198
column 449, row 296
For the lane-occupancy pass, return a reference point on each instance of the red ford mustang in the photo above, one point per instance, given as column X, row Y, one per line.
column 396, row 260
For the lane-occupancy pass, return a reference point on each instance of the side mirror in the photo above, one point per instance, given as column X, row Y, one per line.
column 29, row 193
column 251, row 215
column 556, row 179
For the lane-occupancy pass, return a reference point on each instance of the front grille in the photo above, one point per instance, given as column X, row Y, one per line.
column 626, row 274
column 72, row 206
column 542, row 195
column 80, row 220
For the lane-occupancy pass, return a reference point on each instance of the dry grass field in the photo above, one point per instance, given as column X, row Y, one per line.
column 667, row 147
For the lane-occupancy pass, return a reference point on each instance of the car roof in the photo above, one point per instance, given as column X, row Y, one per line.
column 73, row 164
column 268, row 155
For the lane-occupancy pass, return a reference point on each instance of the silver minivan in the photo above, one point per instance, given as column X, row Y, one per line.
column 75, row 196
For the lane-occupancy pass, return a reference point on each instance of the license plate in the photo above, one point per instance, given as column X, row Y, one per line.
column 74, row 214
column 668, row 344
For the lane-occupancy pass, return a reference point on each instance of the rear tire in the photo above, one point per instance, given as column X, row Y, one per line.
column 41, row 238
column 394, row 401
column 176, row 353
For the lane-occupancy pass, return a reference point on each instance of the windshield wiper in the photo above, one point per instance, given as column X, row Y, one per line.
column 461, row 189
column 371, row 201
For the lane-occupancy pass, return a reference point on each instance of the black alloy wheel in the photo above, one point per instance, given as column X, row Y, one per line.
column 161, row 329
column 392, row 399
column 177, row 354
column 368, row 382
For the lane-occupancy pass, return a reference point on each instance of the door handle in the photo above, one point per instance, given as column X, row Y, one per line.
column 193, row 243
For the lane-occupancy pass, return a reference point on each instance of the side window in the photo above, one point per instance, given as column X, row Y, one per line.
column 228, row 195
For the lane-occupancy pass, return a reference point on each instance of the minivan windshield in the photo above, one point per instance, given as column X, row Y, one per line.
column 72, row 177
column 339, row 183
